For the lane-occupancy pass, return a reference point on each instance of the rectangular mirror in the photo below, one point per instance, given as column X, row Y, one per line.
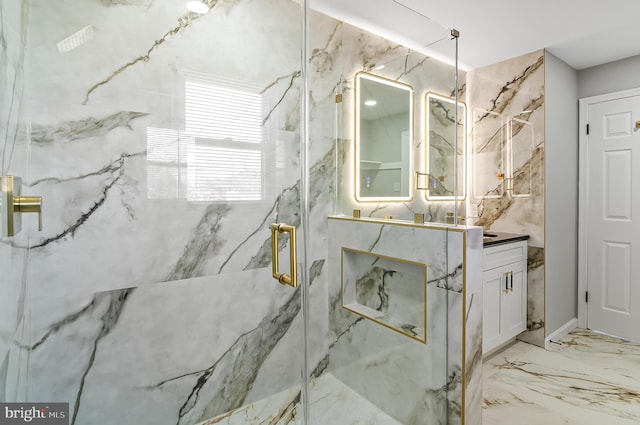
column 446, row 167
column 383, row 134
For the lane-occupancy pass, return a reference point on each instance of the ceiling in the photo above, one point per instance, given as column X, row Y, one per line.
column 583, row 33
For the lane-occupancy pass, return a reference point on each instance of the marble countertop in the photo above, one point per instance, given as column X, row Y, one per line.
column 491, row 238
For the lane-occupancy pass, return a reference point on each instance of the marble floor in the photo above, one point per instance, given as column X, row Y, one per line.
column 587, row 379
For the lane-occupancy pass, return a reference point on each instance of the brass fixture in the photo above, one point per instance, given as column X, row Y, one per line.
column 500, row 176
column 356, row 213
column 449, row 218
column 285, row 279
column 430, row 179
column 508, row 282
column 638, row 124
column 388, row 217
column 418, row 218
column 12, row 205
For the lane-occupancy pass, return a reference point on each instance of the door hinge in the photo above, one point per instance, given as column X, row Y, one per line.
column 587, row 128
column 586, row 297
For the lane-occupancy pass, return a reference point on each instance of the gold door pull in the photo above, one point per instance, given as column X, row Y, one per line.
column 285, row 279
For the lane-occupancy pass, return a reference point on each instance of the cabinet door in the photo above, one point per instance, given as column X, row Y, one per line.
column 515, row 301
column 493, row 285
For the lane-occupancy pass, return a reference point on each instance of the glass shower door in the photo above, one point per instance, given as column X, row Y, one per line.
column 164, row 144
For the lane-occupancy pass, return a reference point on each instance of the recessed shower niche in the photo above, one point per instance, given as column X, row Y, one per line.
column 386, row 290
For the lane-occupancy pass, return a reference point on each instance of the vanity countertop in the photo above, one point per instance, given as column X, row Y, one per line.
column 491, row 238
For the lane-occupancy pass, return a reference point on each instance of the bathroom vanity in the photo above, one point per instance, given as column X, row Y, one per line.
column 504, row 282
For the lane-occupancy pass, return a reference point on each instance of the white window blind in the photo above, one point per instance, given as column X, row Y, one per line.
column 166, row 163
column 225, row 155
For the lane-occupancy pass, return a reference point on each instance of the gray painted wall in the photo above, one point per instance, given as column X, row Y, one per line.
column 561, row 207
column 609, row 77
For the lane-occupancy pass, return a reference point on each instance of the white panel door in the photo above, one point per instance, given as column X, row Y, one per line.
column 613, row 266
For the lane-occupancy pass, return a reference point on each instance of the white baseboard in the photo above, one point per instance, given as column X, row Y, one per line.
column 562, row 331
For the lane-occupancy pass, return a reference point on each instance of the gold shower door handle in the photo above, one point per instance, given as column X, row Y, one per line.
column 285, row 279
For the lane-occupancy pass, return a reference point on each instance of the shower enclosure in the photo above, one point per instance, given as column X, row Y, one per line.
column 164, row 144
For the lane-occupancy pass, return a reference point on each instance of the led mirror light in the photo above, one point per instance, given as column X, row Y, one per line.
column 383, row 166
column 197, row 7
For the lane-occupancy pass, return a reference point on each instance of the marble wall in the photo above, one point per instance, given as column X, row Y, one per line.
column 14, row 308
column 507, row 136
column 338, row 51
column 415, row 375
column 150, row 293
column 151, row 290
column 362, row 51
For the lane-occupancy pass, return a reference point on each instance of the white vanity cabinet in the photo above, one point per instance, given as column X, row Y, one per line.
column 504, row 282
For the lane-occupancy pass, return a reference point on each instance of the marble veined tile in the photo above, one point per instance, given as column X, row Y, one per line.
column 586, row 378
column 330, row 402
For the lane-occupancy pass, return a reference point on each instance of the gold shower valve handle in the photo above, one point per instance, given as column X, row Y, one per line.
column 500, row 176
column 638, row 124
column 13, row 205
column 29, row 204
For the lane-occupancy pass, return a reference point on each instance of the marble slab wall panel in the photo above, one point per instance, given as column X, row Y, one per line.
column 163, row 305
column 473, row 327
column 422, row 382
column 176, row 352
column 105, row 115
column 14, row 17
column 506, row 113
column 364, row 51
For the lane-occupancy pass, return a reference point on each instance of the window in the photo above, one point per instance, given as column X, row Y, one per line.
column 225, row 158
column 220, row 154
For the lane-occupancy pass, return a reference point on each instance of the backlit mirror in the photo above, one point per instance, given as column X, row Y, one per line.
column 446, row 168
column 384, row 131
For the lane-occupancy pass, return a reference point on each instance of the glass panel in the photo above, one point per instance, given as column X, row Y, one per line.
column 366, row 364
column 164, row 143
column 14, row 151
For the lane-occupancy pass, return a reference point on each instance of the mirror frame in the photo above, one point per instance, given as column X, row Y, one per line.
column 356, row 178
column 427, row 138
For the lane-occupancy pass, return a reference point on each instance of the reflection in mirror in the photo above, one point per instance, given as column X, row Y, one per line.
column 489, row 141
column 384, row 131
column 522, row 141
column 445, row 161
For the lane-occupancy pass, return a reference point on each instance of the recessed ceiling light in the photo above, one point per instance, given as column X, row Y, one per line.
column 197, row 6
column 370, row 102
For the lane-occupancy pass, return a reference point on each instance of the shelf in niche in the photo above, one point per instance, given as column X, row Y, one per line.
column 378, row 166
column 403, row 282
